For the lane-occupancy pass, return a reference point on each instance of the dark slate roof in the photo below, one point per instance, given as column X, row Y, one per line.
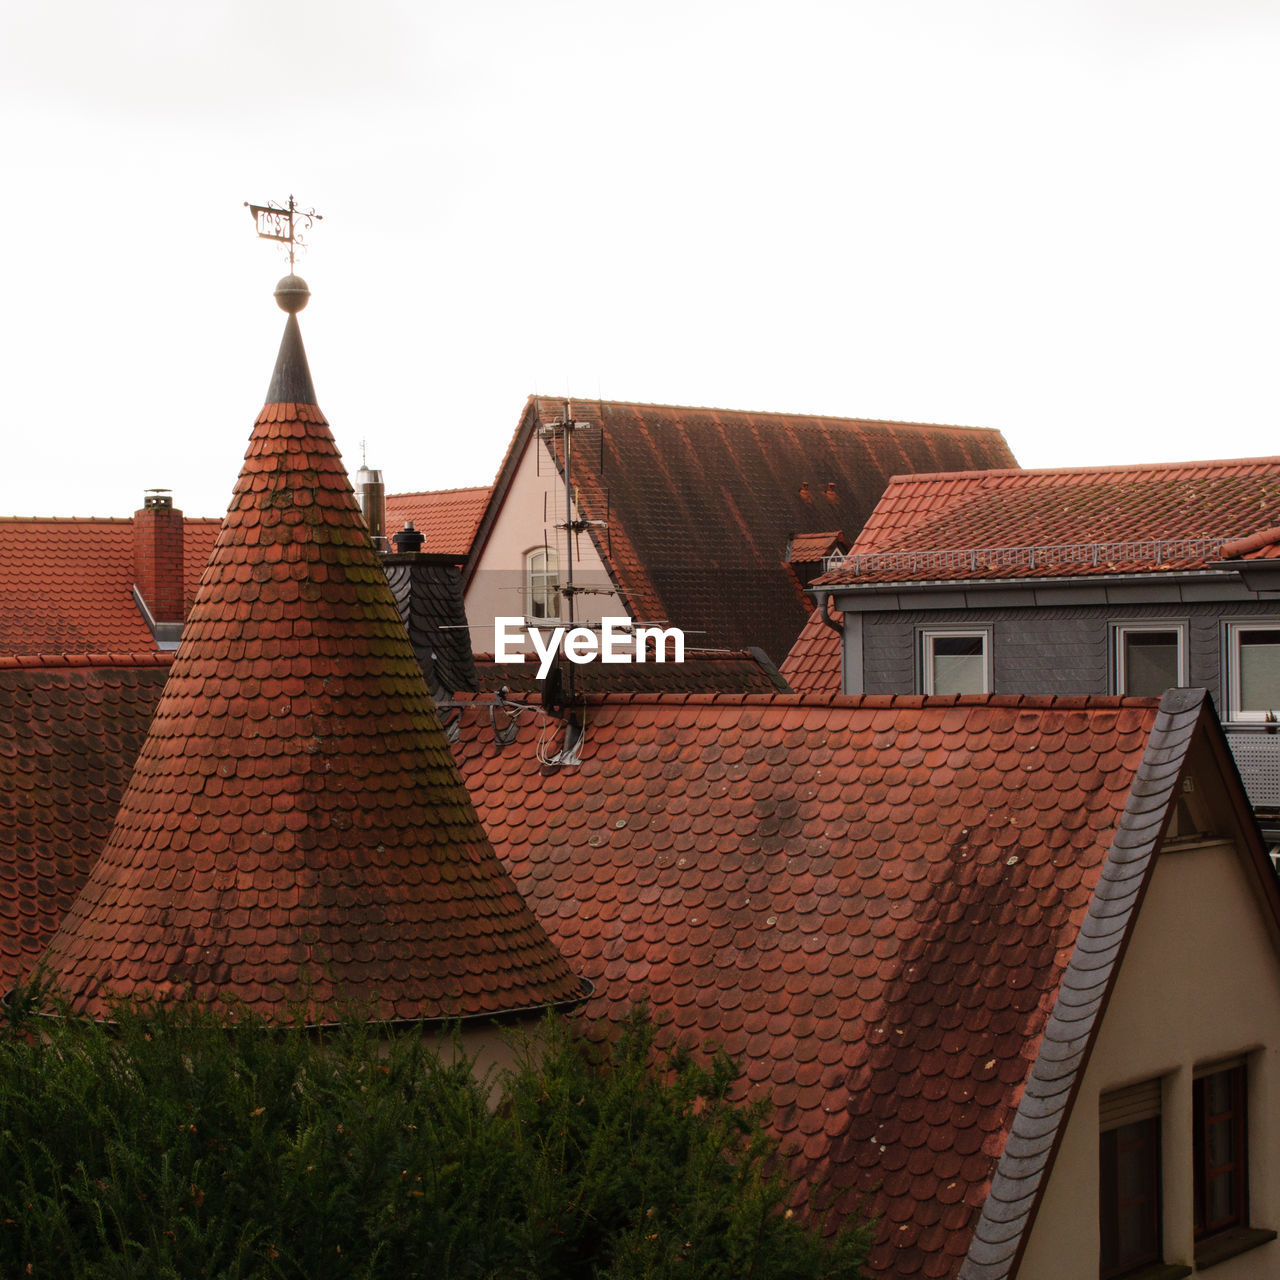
column 697, row 505
column 295, row 834
column 66, row 584
column 428, row 593
column 70, row 729
column 1076, row 522
column 872, row 903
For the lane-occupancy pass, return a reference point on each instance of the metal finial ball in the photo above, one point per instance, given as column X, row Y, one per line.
column 292, row 294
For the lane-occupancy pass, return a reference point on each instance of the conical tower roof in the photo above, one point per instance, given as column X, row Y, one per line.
column 296, row 835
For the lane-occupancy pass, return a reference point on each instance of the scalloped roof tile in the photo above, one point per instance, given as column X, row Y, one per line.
column 1116, row 509
column 66, row 583
column 871, row 903
column 295, row 834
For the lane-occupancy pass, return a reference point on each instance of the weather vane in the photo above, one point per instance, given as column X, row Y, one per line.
column 284, row 223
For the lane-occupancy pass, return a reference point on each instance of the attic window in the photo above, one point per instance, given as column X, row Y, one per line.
column 1253, row 655
column 833, row 561
column 955, row 662
column 542, row 584
column 1150, row 659
column 1129, row 1208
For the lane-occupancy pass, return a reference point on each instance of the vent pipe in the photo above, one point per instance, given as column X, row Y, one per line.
column 371, row 494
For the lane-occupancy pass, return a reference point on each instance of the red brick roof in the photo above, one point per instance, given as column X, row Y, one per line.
column 447, row 518
column 871, row 903
column 66, row 583
column 697, row 505
column 1062, row 523
column 813, row 665
column 295, row 834
column 70, row 729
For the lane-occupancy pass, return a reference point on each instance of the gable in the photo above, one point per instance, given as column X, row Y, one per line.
column 693, row 509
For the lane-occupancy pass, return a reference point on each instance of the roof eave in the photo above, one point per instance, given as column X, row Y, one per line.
column 1219, row 571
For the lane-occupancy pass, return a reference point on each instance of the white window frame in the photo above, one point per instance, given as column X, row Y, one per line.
column 542, row 582
column 925, row 649
column 1120, row 630
column 1231, row 669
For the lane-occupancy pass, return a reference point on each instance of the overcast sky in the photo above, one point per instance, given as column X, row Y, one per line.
column 1058, row 219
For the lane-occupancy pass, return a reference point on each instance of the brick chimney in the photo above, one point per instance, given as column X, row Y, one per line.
column 157, row 565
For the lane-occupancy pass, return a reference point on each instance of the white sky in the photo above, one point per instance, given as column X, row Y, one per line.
column 1054, row 218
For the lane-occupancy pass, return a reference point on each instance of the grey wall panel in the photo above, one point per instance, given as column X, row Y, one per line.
column 1058, row 650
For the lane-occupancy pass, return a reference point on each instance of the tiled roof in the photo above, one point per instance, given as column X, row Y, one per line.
column 700, row 672
column 1062, row 523
column 66, row 584
column 697, row 505
column 1263, row 545
column 70, row 729
column 871, row 903
column 813, row 665
column 295, row 834
column 806, row 548
column 447, row 518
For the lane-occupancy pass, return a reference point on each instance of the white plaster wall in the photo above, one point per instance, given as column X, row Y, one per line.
column 1200, row 982
column 534, row 506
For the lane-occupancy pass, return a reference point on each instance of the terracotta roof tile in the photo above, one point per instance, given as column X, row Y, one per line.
column 697, row 505
column 447, row 518
column 807, row 548
column 70, row 729
column 829, row 885
column 813, row 665
column 706, row 671
column 295, row 828
column 1062, row 523
column 66, row 583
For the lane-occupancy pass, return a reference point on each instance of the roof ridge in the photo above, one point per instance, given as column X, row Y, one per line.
column 771, row 413
column 1032, row 473
column 881, row 701
column 429, row 493
column 136, row 658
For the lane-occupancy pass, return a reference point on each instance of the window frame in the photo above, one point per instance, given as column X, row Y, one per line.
column 1120, row 630
column 542, row 584
column 1138, row 1112
column 1231, row 668
column 924, row 647
column 1237, row 1168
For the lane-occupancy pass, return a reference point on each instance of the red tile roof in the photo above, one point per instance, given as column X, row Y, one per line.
column 1062, row 523
column 871, row 903
column 700, row 672
column 66, row 583
column 814, row 664
column 447, row 518
column 295, row 834
column 806, row 548
column 697, row 505
column 70, row 729
column 1263, row 545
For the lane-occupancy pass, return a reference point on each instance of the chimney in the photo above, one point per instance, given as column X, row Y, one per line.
column 408, row 539
column 831, row 491
column 371, row 494
column 157, row 563
column 805, row 495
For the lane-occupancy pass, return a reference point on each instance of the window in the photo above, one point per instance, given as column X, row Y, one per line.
column 1149, row 659
column 1129, row 1211
column 542, row 583
column 1219, row 1151
column 955, row 662
column 1253, row 658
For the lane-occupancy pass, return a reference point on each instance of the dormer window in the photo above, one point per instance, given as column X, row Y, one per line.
column 833, row 561
column 542, row 585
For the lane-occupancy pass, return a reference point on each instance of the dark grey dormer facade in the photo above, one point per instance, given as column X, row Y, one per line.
column 1216, row 628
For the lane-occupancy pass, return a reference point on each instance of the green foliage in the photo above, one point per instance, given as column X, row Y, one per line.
column 181, row 1144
